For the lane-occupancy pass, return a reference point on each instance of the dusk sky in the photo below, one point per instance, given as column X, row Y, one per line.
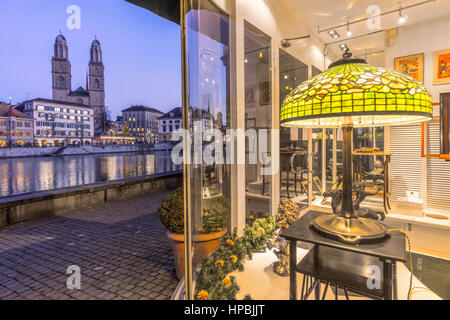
column 141, row 51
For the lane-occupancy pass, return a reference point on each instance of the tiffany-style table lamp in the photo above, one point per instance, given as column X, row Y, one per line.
column 351, row 94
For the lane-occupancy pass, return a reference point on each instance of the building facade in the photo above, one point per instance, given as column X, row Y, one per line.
column 168, row 123
column 142, row 122
column 59, row 122
column 119, row 123
column 94, row 93
column 16, row 128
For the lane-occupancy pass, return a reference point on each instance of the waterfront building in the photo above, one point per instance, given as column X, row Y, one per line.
column 16, row 128
column 119, row 123
column 172, row 121
column 168, row 123
column 59, row 122
column 142, row 122
column 94, row 93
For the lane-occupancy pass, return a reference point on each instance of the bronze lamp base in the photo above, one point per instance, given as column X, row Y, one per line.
column 350, row 230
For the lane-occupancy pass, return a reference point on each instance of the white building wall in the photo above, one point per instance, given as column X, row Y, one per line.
column 66, row 119
column 424, row 38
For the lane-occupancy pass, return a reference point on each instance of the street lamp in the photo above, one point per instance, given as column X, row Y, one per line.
column 10, row 123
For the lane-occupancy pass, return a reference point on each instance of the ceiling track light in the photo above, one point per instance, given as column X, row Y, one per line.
column 361, row 20
column 286, row 43
column 349, row 33
column 402, row 18
column 344, row 47
column 333, row 34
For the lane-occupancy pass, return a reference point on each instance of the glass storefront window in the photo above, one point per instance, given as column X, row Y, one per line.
column 258, row 115
column 208, row 117
column 293, row 141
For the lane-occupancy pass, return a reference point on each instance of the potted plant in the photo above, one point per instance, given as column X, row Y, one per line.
column 206, row 240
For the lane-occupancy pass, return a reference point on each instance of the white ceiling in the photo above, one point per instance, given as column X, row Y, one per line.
column 324, row 14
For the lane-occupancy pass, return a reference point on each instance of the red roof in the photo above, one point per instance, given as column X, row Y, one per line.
column 4, row 112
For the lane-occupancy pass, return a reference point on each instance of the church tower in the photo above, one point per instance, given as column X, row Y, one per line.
column 97, row 87
column 61, row 70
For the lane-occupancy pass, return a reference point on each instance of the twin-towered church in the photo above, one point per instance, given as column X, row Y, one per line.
column 94, row 94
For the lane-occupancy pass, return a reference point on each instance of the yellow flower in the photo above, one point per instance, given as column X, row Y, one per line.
column 206, row 213
column 202, row 295
column 201, row 230
column 263, row 220
column 251, row 217
column 221, row 262
column 261, row 230
column 234, row 258
column 226, row 282
column 230, row 242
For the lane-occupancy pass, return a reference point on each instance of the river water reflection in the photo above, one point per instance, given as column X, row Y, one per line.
column 24, row 175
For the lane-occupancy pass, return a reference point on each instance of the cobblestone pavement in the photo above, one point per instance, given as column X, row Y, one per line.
column 121, row 248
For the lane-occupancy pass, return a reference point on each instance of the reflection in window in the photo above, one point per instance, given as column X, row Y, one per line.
column 293, row 141
column 207, row 38
column 258, row 115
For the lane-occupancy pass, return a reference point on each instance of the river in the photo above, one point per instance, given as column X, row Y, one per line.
column 27, row 175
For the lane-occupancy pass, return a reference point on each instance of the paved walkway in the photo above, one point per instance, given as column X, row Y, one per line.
column 121, row 249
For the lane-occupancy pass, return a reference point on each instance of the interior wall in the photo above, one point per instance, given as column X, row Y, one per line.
column 274, row 19
column 423, row 38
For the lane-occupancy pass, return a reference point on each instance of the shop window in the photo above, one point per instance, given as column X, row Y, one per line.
column 293, row 145
column 208, row 81
column 258, row 116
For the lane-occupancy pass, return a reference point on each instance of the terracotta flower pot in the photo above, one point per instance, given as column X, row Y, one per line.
column 203, row 244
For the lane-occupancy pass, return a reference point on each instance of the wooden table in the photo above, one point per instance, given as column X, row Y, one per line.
column 388, row 252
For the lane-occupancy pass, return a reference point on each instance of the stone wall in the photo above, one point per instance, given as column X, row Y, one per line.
column 46, row 203
column 81, row 150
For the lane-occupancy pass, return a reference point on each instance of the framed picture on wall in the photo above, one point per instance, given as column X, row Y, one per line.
column 264, row 93
column 442, row 67
column 250, row 97
column 411, row 66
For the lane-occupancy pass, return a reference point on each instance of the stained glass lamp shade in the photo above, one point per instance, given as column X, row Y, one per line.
column 350, row 94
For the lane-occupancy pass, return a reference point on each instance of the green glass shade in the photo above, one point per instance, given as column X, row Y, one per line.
column 358, row 93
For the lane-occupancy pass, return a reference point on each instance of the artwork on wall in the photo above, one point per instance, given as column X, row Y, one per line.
column 249, row 97
column 411, row 66
column 264, row 93
column 442, row 67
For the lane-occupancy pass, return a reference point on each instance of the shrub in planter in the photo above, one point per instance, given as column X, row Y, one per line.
column 214, row 221
column 171, row 212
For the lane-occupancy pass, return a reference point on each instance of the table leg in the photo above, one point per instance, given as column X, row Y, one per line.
column 394, row 269
column 293, row 270
column 387, row 279
column 263, row 183
column 287, row 184
column 317, row 289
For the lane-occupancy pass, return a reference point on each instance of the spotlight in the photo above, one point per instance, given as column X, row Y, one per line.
column 344, row 47
column 285, row 43
column 286, row 76
column 333, row 33
column 349, row 33
column 402, row 18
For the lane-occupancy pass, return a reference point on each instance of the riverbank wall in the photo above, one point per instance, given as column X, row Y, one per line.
column 21, row 208
column 81, row 150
